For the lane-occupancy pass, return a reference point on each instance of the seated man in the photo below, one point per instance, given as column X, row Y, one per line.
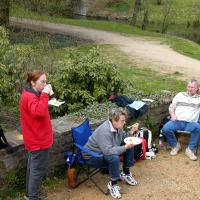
column 184, row 111
column 107, row 140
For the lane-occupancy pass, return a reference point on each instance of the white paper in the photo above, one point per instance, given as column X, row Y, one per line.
column 150, row 100
column 137, row 105
column 54, row 102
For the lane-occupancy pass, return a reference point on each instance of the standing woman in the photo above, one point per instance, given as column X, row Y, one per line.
column 37, row 130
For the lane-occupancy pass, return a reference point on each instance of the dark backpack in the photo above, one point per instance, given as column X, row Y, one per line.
column 4, row 143
column 147, row 135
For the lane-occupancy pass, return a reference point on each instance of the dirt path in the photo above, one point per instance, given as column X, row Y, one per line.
column 146, row 53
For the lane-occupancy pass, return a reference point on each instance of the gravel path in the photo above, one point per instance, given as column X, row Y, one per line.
column 145, row 52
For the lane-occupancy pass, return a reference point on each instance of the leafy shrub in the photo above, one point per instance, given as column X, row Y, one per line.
column 150, row 125
column 84, row 80
column 7, row 93
column 6, row 82
column 32, row 50
column 15, row 61
column 16, row 182
column 80, row 80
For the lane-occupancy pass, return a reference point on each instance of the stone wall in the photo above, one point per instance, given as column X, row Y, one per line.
column 62, row 143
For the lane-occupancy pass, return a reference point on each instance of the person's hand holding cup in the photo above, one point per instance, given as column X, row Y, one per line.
column 47, row 89
column 51, row 93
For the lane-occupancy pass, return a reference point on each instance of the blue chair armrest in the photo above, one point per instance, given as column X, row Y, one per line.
column 88, row 151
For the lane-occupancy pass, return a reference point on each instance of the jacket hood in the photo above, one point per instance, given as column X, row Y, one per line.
column 28, row 89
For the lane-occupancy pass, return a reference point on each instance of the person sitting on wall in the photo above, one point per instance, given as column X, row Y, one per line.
column 184, row 111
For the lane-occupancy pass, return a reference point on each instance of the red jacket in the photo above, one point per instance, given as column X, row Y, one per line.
column 35, row 120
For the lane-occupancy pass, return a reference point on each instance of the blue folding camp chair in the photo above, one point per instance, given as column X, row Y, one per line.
column 80, row 136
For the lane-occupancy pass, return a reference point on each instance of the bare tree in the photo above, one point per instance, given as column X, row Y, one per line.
column 4, row 13
column 135, row 12
column 166, row 16
column 146, row 14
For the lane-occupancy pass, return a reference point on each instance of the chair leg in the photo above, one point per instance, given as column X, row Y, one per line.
column 197, row 149
column 89, row 176
column 106, row 193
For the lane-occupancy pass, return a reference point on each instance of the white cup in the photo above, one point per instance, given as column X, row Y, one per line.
column 51, row 92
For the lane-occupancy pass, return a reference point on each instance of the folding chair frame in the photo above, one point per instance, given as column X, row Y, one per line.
column 88, row 170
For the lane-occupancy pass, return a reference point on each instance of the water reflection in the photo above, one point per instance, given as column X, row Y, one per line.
column 99, row 18
column 81, row 17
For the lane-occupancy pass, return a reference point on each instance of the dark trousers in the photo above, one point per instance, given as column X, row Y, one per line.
column 113, row 162
column 36, row 169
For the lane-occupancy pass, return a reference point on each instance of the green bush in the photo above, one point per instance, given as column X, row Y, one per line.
column 80, row 80
column 32, row 50
column 6, row 82
column 16, row 182
column 84, row 79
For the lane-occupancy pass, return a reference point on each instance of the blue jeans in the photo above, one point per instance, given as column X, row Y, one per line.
column 171, row 127
column 36, row 169
column 113, row 162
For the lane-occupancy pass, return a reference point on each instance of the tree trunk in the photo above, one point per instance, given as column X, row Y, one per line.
column 135, row 12
column 4, row 13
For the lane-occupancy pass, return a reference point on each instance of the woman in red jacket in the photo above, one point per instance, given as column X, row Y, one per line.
column 37, row 130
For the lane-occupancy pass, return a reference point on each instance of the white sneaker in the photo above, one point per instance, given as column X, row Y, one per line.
column 175, row 149
column 128, row 178
column 114, row 190
column 150, row 155
column 189, row 153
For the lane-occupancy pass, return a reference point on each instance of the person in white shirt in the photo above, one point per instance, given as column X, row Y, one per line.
column 184, row 111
